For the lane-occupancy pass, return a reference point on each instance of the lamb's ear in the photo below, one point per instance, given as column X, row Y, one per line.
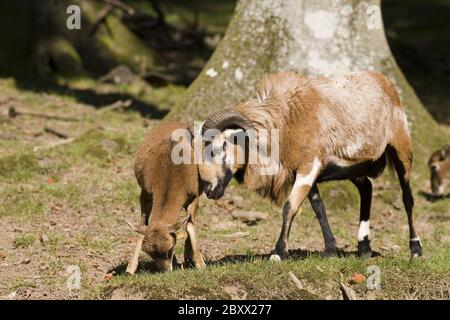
column 179, row 224
column 138, row 228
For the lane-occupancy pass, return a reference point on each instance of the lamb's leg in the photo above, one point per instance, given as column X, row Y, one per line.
column 134, row 261
column 191, row 249
column 304, row 180
column 146, row 208
column 321, row 214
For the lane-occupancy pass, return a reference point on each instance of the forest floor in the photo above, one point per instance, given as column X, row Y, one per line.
column 63, row 207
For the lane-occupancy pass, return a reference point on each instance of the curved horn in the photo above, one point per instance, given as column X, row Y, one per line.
column 227, row 119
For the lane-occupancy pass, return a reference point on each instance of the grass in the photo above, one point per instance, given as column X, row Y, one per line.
column 254, row 278
column 24, row 241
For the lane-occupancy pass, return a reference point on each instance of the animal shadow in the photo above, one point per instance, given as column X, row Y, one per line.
column 148, row 266
column 296, row 254
column 432, row 198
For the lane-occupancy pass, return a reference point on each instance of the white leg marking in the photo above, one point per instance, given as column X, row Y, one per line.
column 301, row 180
column 363, row 230
column 441, row 190
column 417, row 239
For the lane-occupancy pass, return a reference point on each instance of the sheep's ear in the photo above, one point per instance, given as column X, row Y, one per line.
column 138, row 228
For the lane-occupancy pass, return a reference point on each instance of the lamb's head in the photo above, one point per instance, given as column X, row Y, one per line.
column 159, row 242
column 224, row 150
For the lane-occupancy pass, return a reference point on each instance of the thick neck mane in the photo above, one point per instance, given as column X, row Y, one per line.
column 267, row 110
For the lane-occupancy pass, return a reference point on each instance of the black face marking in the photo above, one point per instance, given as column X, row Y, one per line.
column 222, row 184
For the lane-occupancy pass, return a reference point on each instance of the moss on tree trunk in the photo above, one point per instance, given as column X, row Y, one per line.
column 41, row 42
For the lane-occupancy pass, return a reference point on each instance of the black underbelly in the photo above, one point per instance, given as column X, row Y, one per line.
column 371, row 169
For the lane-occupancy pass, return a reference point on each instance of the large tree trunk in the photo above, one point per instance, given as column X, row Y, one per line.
column 328, row 38
column 42, row 43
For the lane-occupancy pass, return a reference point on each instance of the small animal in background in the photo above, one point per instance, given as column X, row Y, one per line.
column 439, row 165
column 167, row 189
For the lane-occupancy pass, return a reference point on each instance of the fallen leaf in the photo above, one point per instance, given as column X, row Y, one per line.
column 56, row 209
column 226, row 204
column 2, row 255
column 50, row 180
column 109, row 276
column 357, row 278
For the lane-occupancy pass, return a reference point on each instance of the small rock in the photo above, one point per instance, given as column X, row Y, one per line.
column 43, row 238
column 238, row 201
column 249, row 217
column 237, row 235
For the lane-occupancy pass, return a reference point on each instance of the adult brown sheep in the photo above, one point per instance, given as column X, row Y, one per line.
column 329, row 129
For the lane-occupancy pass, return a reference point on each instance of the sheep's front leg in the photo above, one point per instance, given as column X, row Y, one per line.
column 192, row 252
column 300, row 190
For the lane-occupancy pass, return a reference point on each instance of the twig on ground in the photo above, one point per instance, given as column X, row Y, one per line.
column 54, row 144
column 347, row 292
column 56, row 133
column 12, row 113
column 117, row 105
column 295, row 280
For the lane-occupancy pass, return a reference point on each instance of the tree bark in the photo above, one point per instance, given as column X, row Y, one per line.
column 328, row 38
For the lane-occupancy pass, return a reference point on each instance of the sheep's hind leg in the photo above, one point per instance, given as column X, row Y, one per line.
column 402, row 159
column 319, row 209
column 365, row 192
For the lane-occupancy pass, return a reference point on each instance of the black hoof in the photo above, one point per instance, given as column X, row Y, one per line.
column 364, row 249
column 330, row 253
column 416, row 248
